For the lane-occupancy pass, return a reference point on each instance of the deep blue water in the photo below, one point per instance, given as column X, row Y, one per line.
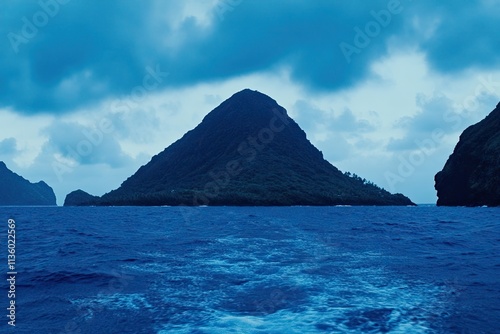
column 255, row 270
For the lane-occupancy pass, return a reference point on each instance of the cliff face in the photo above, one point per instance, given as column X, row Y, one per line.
column 15, row 190
column 247, row 151
column 471, row 176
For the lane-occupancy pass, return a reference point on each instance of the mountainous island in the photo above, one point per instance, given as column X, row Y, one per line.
column 471, row 176
column 247, row 151
column 16, row 190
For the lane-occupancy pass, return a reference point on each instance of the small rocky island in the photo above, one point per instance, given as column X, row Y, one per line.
column 471, row 176
column 16, row 190
column 79, row 198
column 247, row 151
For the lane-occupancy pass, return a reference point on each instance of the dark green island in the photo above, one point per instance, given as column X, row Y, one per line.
column 247, row 151
column 16, row 190
column 471, row 176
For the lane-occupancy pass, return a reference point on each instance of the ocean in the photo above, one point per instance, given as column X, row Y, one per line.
column 253, row 270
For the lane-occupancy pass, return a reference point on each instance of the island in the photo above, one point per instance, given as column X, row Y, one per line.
column 16, row 190
column 246, row 152
column 79, row 198
column 471, row 176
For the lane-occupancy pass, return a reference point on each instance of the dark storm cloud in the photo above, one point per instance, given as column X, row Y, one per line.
column 466, row 35
column 305, row 36
column 58, row 55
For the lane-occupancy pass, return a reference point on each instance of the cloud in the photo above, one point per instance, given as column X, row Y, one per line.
column 213, row 99
column 437, row 116
column 9, row 151
column 338, row 148
column 339, row 135
column 311, row 117
column 434, row 115
column 84, row 52
column 8, row 147
column 137, row 125
column 347, row 122
column 85, row 145
column 71, row 54
column 303, row 36
column 465, row 35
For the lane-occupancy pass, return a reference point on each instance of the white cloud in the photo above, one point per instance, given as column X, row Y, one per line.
column 26, row 131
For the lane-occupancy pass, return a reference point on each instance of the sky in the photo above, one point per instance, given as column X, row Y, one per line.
column 91, row 90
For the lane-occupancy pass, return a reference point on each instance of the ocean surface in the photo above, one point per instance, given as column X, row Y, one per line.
column 254, row 270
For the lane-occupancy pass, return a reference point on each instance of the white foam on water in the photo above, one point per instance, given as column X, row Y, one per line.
column 308, row 321
column 358, row 298
column 153, row 268
column 114, row 302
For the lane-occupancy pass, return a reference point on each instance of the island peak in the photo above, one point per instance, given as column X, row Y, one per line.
column 247, row 151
